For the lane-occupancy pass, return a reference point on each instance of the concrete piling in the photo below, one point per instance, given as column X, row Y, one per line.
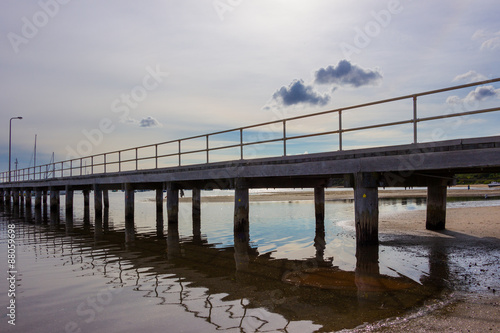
column 159, row 212
column 172, row 203
column 366, row 208
column 196, row 210
column 69, row 201
column 97, row 202
column 129, row 202
column 436, row 206
column 319, row 204
column 241, row 210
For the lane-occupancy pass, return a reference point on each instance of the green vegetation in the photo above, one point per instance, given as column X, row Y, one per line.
column 477, row 178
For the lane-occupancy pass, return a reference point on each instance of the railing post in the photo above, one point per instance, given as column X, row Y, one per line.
column 119, row 161
column 91, row 165
column 340, row 130
column 156, row 156
column 104, row 163
column 136, row 159
column 208, row 147
column 180, row 161
column 241, row 143
column 284, row 137
column 415, row 119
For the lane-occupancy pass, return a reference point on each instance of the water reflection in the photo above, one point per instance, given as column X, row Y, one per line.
column 234, row 287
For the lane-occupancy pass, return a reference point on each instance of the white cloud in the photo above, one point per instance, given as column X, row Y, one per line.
column 490, row 41
column 149, row 122
column 470, row 76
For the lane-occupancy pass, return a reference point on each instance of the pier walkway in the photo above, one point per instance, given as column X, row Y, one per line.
column 226, row 160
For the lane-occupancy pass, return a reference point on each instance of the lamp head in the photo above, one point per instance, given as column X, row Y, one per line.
column 19, row 117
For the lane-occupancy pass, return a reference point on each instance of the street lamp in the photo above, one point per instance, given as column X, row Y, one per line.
column 10, row 140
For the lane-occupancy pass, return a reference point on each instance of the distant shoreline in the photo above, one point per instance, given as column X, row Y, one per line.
column 348, row 194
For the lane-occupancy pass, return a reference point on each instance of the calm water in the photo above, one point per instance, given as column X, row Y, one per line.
column 286, row 275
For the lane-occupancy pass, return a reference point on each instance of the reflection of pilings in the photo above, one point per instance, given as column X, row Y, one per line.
column 172, row 203
column 436, row 206
column 367, row 274
column 173, row 242
column 319, row 241
column 159, row 212
column 366, row 208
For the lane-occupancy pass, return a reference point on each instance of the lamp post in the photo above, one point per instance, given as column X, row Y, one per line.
column 10, row 141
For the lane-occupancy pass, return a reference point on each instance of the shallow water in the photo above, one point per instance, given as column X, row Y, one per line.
column 285, row 275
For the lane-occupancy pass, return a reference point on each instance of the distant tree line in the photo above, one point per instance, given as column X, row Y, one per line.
column 477, row 178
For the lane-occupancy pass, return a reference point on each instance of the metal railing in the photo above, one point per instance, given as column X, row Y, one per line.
column 116, row 161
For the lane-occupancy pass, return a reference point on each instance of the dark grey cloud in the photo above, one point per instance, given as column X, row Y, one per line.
column 297, row 92
column 346, row 73
column 149, row 122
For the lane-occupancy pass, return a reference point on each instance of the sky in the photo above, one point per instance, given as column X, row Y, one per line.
column 92, row 76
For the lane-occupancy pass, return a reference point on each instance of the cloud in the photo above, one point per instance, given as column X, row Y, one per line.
column 299, row 93
column 470, row 76
column 347, row 74
column 491, row 41
column 477, row 95
column 149, row 122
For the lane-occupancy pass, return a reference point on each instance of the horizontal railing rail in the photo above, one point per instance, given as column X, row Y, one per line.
column 104, row 163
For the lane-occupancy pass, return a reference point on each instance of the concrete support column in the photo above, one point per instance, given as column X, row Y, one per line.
column 15, row 197
column 44, row 200
column 366, row 208
column 172, row 203
column 196, row 210
column 28, row 198
column 38, row 199
column 86, row 206
column 54, row 200
column 319, row 204
column 159, row 212
column 241, row 210
column 97, row 202
column 105, row 197
column 436, row 206
column 129, row 212
column 129, row 202
column 69, row 201
column 21, row 197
